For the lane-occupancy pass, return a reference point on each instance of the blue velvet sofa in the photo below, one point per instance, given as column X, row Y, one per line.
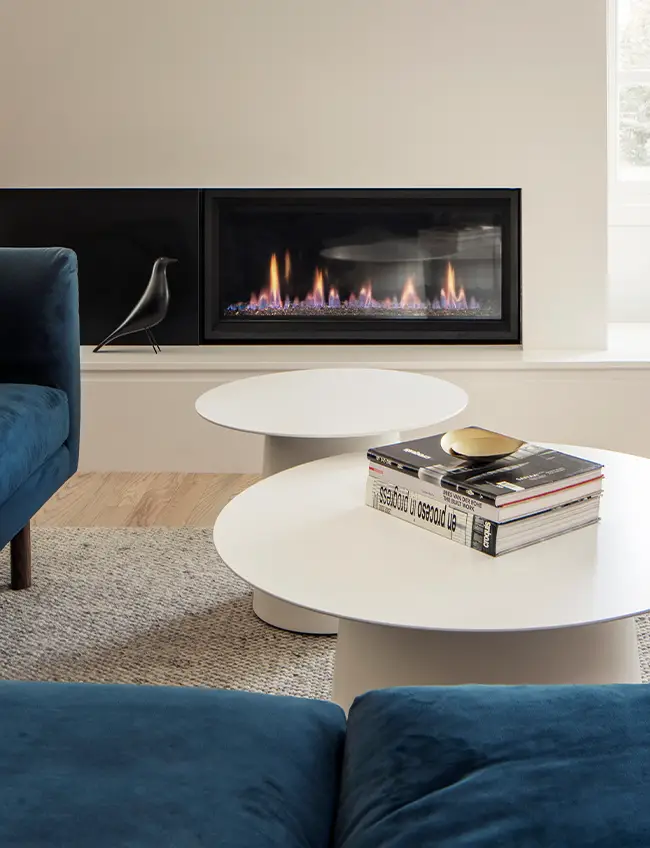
column 39, row 389
column 112, row 766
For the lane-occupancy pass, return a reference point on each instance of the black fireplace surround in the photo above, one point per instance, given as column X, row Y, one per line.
column 288, row 265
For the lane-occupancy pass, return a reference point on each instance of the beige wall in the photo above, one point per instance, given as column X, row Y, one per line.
column 330, row 93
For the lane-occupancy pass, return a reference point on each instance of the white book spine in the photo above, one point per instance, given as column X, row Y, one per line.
column 432, row 514
column 454, row 499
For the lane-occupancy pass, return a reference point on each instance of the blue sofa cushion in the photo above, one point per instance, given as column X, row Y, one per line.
column 117, row 765
column 34, row 423
column 497, row 766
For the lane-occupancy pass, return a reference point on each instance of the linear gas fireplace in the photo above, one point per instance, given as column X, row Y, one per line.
column 368, row 266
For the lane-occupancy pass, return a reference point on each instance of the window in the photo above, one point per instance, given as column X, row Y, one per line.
column 629, row 160
column 630, row 102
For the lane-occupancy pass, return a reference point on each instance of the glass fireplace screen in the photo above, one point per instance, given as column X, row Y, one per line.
column 338, row 261
column 362, row 265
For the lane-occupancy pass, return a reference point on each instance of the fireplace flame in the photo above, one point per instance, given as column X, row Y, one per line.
column 449, row 299
column 275, row 298
column 365, row 295
column 409, row 295
column 318, row 292
column 272, row 298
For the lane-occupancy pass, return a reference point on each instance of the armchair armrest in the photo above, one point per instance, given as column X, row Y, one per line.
column 39, row 325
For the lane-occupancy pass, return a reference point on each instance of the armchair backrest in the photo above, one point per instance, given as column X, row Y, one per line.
column 39, row 325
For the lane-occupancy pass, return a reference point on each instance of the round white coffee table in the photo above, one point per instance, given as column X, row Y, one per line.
column 416, row 609
column 309, row 414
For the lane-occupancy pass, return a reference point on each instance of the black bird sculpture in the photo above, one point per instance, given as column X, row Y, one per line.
column 149, row 310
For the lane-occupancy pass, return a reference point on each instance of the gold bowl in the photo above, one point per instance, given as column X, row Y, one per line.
column 478, row 445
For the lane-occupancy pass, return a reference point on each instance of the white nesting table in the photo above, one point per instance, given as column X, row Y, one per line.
column 416, row 609
column 309, row 414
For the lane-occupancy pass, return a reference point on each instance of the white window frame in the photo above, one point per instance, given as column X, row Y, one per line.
column 629, row 200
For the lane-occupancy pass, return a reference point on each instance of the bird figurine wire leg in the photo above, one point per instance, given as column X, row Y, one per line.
column 150, row 310
column 155, row 341
column 152, row 341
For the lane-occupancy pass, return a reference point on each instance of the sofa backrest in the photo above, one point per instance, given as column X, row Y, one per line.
column 497, row 766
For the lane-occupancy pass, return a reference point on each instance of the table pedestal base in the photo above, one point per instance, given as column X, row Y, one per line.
column 290, row 617
column 281, row 453
column 372, row 656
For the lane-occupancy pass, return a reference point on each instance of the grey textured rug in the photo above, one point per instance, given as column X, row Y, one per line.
column 155, row 606
column 148, row 606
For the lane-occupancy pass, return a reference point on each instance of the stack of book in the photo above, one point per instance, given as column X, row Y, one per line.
column 494, row 505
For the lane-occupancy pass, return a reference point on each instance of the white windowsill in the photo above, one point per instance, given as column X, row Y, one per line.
column 629, row 215
column 628, row 348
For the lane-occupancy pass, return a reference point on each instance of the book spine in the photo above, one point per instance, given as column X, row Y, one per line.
column 455, row 499
column 433, row 515
column 391, row 464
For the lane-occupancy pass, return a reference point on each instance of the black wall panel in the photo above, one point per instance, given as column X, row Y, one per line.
column 117, row 234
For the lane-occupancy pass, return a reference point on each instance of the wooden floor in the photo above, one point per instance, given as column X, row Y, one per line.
column 124, row 499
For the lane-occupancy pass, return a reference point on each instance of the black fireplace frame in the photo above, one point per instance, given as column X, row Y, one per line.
column 505, row 330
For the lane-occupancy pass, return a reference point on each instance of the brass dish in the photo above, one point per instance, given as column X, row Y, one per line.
column 478, row 445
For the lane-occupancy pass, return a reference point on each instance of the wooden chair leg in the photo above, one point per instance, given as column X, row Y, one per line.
column 21, row 559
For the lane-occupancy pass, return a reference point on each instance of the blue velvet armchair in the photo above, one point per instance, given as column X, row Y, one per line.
column 39, row 389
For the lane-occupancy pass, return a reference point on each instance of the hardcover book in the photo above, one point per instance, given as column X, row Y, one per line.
column 474, row 531
column 531, row 470
column 526, row 505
